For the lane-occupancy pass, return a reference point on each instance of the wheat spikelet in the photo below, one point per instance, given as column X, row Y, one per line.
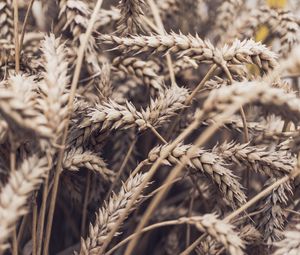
column 131, row 12
column 246, row 51
column 157, row 43
column 251, row 52
column 272, row 163
column 273, row 217
column 15, row 193
column 168, row 8
column 288, row 29
column 107, row 17
column 141, row 69
column 111, row 116
column 74, row 15
column 3, row 131
column 121, row 144
column 219, row 230
column 290, row 245
column 104, row 85
column 6, row 20
column 54, row 98
column 273, row 99
column 109, row 214
column 226, row 13
column 211, row 165
column 18, row 106
column 78, row 158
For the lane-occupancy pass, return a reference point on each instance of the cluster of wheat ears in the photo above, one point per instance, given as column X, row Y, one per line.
column 149, row 127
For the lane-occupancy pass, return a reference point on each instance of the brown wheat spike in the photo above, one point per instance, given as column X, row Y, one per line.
column 274, row 100
column 111, row 116
column 246, row 26
column 74, row 15
column 157, row 43
column 109, row 214
column 145, row 70
column 220, row 230
column 131, row 12
column 79, row 158
column 290, row 245
column 53, row 100
column 104, row 85
column 211, row 165
column 247, row 51
column 107, row 17
column 272, row 219
column 15, row 193
column 121, row 143
column 251, row 52
column 269, row 162
column 168, row 8
column 226, row 14
column 6, row 20
column 288, row 29
column 3, row 131
column 18, row 106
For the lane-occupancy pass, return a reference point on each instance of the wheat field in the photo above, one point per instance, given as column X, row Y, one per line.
column 149, row 127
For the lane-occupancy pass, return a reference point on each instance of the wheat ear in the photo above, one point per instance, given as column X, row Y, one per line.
column 111, row 115
column 208, row 163
column 131, row 13
column 290, row 245
column 269, row 162
column 78, row 158
column 109, row 214
column 15, row 193
column 54, row 96
column 18, row 106
column 6, row 20
column 274, row 100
